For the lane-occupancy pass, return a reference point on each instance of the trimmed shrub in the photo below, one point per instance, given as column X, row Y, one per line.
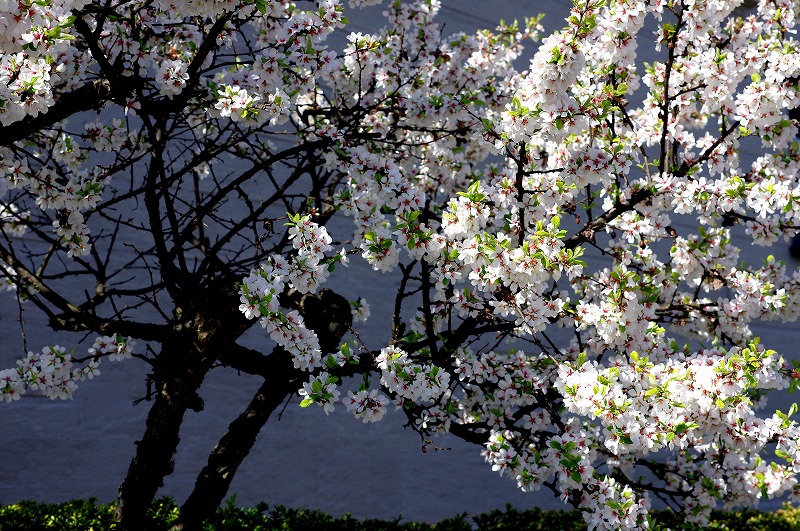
column 87, row 515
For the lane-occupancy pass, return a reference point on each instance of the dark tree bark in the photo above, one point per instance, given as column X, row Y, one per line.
column 179, row 374
column 329, row 315
column 186, row 357
column 215, row 479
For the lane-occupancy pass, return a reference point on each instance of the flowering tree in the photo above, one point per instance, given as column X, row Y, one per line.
column 481, row 187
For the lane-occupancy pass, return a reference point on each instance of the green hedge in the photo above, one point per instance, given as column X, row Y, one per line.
column 82, row 515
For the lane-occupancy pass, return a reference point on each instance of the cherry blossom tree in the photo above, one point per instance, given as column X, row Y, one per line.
column 562, row 283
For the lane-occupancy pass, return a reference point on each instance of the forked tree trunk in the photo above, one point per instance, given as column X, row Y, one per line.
column 179, row 371
column 328, row 314
column 215, row 479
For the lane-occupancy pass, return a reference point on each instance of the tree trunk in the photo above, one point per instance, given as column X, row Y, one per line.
column 179, row 372
column 215, row 479
column 328, row 314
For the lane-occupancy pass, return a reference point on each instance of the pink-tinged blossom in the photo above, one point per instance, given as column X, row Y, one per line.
column 172, row 76
column 369, row 406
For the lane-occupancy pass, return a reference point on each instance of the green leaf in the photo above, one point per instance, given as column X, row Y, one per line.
column 307, row 401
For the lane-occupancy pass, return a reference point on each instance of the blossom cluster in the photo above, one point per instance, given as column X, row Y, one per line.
column 577, row 418
column 32, row 37
column 55, row 373
column 68, row 188
column 260, row 292
column 499, row 245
